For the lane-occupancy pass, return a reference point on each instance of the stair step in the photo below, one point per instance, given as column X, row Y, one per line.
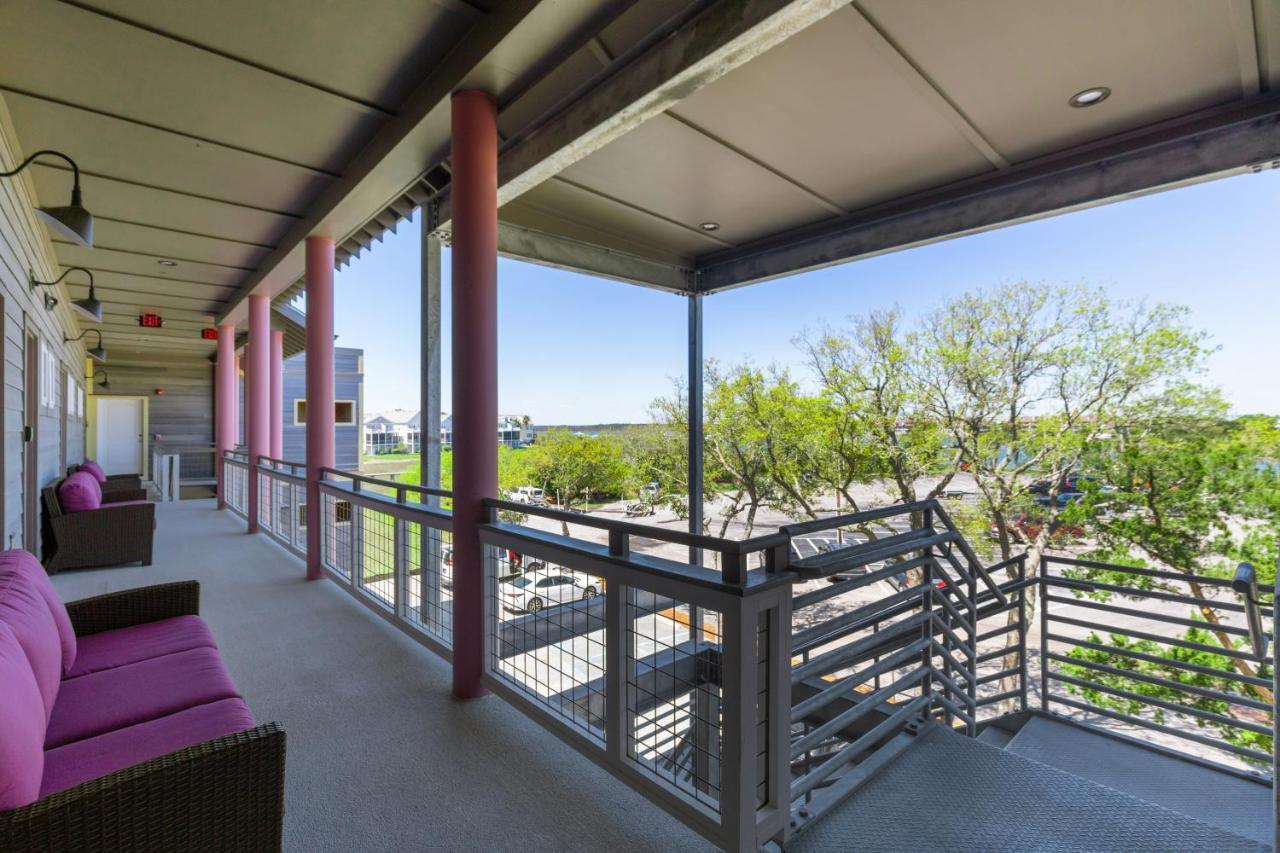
column 1217, row 798
column 954, row 794
column 999, row 738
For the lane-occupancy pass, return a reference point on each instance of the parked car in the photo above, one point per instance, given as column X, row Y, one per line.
column 534, row 590
column 649, row 491
column 529, row 495
column 1070, row 484
column 446, row 569
column 639, row 509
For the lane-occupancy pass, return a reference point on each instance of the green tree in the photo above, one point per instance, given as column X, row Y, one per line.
column 571, row 467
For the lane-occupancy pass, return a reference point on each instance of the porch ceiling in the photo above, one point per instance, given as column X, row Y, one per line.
column 810, row 131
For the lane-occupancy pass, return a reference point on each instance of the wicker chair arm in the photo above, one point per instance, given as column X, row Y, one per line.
column 134, row 607
column 223, row 794
column 114, row 496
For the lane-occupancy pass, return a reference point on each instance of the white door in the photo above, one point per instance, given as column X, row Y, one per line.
column 120, row 435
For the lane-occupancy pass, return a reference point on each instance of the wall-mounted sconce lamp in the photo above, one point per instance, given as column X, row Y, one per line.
column 50, row 302
column 89, row 307
column 105, row 384
column 73, row 221
column 97, row 353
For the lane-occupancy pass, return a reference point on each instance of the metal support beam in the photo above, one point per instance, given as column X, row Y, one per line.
column 430, row 369
column 724, row 36
column 1171, row 154
column 552, row 250
column 695, row 391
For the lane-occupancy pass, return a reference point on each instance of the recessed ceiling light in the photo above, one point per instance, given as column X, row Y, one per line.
column 167, row 263
column 710, row 226
column 1089, row 97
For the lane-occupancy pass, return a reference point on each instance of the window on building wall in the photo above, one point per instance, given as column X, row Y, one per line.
column 344, row 412
column 49, row 375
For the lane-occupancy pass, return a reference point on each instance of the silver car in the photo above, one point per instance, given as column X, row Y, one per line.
column 532, row 591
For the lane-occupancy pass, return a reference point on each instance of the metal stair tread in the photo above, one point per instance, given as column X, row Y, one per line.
column 953, row 793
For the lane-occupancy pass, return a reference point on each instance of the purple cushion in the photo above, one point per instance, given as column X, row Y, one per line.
column 68, row 766
column 95, row 469
column 79, row 492
column 24, row 562
column 140, row 642
column 22, row 726
column 110, row 699
column 24, row 611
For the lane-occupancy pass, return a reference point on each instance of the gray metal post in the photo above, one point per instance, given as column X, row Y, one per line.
column 695, row 421
column 431, row 547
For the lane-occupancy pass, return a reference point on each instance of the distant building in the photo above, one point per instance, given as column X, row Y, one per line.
column 391, row 431
column 348, row 406
column 513, row 430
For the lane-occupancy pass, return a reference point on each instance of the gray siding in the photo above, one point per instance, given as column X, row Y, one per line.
column 181, row 419
column 24, row 247
column 348, row 364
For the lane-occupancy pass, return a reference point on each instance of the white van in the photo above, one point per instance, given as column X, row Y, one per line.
column 529, row 495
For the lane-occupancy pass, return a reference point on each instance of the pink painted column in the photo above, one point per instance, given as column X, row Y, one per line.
column 475, row 371
column 277, row 395
column 226, row 385
column 319, row 289
column 258, row 409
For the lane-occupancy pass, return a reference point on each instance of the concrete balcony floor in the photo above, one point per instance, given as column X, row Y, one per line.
column 380, row 756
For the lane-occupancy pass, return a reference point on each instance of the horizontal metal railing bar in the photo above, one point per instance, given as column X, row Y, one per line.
column 1204, row 580
column 996, row 676
column 848, row 655
column 385, row 484
column 996, row 653
column 943, row 597
column 941, row 651
column 852, row 518
column 285, row 462
column 998, row 697
column 734, row 547
column 856, row 620
column 996, row 632
column 1245, row 752
column 839, row 688
column 856, row 556
column 808, row 599
column 439, row 519
column 1228, row 674
column 864, row 706
column 556, row 548
column 964, row 713
column 1157, row 638
column 1175, row 707
column 283, row 476
column 815, row 777
column 1230, row 698
column 1090, row 604
column 1174, row 597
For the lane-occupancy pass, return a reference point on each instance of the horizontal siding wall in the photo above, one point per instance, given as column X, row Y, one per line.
column 180, row 419
column 348, row 385
column 25, row 249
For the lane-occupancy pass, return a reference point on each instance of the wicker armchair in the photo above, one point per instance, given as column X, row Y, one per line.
column 113, row 534
column 119, row 487
column 223, row 794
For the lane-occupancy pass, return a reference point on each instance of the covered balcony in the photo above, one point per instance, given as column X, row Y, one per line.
column 456, row 671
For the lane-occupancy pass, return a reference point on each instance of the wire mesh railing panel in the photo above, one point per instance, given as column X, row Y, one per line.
column 375, row 537
column 673, row 701
column 428, row 581
column 338, row 538
column 235, row 483
column 547, row 637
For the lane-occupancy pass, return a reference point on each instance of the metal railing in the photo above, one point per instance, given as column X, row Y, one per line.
column 392, row 546
column 674, row 677
column 1168, row 653
column 282, row 502
column 235, row 474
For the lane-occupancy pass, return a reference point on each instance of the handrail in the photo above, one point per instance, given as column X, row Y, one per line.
column 425, row 491
column 1245, row 583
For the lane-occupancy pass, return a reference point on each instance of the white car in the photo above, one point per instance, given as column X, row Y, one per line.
column 532, row 591
column 529, row 495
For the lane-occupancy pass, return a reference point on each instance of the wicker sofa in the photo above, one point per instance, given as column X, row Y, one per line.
column 121, row 487
column 118, row 531
column 121, row 729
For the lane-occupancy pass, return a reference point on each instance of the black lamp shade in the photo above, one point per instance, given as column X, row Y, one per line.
column 98, row 353
column 72, row 222
column 89, row 307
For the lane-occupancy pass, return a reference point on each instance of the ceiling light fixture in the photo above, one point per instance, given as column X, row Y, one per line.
column 98, row 353
column 165, row 262
column 710, row 226
column 1089, row 97
column 89, row 307
column 73, row 221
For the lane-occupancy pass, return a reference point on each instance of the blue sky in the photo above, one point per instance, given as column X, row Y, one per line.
column 573, row 349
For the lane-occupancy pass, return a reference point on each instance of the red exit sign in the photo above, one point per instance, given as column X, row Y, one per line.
column 150, row 321
column 209, row 334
